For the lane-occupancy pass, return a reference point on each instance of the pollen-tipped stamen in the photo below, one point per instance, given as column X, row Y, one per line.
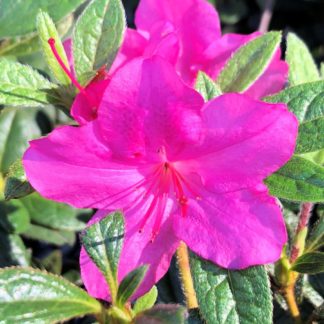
column 51, row 43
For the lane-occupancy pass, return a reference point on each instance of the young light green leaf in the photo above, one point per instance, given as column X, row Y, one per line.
column 248, row 63
column 166, row 314
column 310, row 136
column 17, row 128
column 98, row 35
column 46, row 30
column 52, row 214
column 225, row 296
column 206, row 86
column 16, row 183
column 310, row 263
column 302, row 67
column 306, row 101
column 146, row 302
column 130, row 283
column 18, row 17
column 33, row 296
column 20, row 85
column 103, row 242
column 298, row 180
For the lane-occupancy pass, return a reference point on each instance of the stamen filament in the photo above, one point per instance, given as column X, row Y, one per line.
column 51, row 43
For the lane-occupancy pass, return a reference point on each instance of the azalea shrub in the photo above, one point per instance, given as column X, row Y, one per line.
column 160, row 172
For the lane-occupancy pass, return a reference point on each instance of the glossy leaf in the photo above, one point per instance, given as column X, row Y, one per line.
column 130, row 283
column 225, row 296
column 46, row 30
column 33, row 296
column 306, row 101
column 17, row 128
column 298, row 180
column 310, row 263
column 147, row 301
column 19, row 17
column 302, row 67
column 20, row 85
column 16, row 183
column 98, row 34
column 248, row 63
column 206, row 86
column 52, row 214
column 103, row 242
column 162, row 314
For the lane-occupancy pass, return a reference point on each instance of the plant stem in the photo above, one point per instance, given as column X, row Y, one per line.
column 186, row 278
column 289, row 294
column 266, row 16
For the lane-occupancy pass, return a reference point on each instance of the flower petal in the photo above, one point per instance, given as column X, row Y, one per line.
column 234, row 230
column 74, row 166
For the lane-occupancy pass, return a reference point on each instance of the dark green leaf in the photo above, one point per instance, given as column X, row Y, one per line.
column 316, row 237
column 52, row 214
column 298, row 180
column 16, row 184
column 206, row 86
column 306, row 101
column 12, row 250
column 31, row 296
column 147, row 301
column 20, row 85
column 53, row 262
column 310, row 136
column 97, row 37
column 163, row 314
column 225, row 296
column 310, row 263
column 302, row 67
column 17, row 128
column 46, row 30
column 19, row 17
column 103, row 242
column 248, row 63
column 130, row 283
column 50, row 236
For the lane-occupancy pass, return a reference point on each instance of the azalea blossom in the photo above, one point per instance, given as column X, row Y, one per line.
column 178, row 168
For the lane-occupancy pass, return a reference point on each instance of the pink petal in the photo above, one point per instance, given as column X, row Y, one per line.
column 137, row 250
column 234, row 230
column 149, row 106
column 246, row 140
column 74, row 166
column 67, row 44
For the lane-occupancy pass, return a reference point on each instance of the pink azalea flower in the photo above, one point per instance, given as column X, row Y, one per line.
column 179, row 169
column 188, row 34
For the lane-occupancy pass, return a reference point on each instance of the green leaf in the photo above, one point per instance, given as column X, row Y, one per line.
column 146, row 302
column 103, row 242
column 310, row 263
column 306, row 101
column 248, row 63
column 162, row 314
column 46, row 30
column 302, row 67
column 16, row 183
column 225, row 296
column 17, row 128
column 298, row 180
column 53, row 262
column 130, row 283
column 98, row 35
column 12, row 250
column 316, row 237
column 206, row 86
column 52, row 214
column 58, row 238
column 310, row 136
column 18, row 17
column 33, row 296
column 20, row 85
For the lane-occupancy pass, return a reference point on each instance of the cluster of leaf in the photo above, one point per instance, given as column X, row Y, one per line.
column 224, row 296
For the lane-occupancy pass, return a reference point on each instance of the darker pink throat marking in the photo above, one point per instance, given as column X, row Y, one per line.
column 67, row 71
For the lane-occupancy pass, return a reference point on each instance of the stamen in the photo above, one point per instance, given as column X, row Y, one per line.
column 51, row 43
